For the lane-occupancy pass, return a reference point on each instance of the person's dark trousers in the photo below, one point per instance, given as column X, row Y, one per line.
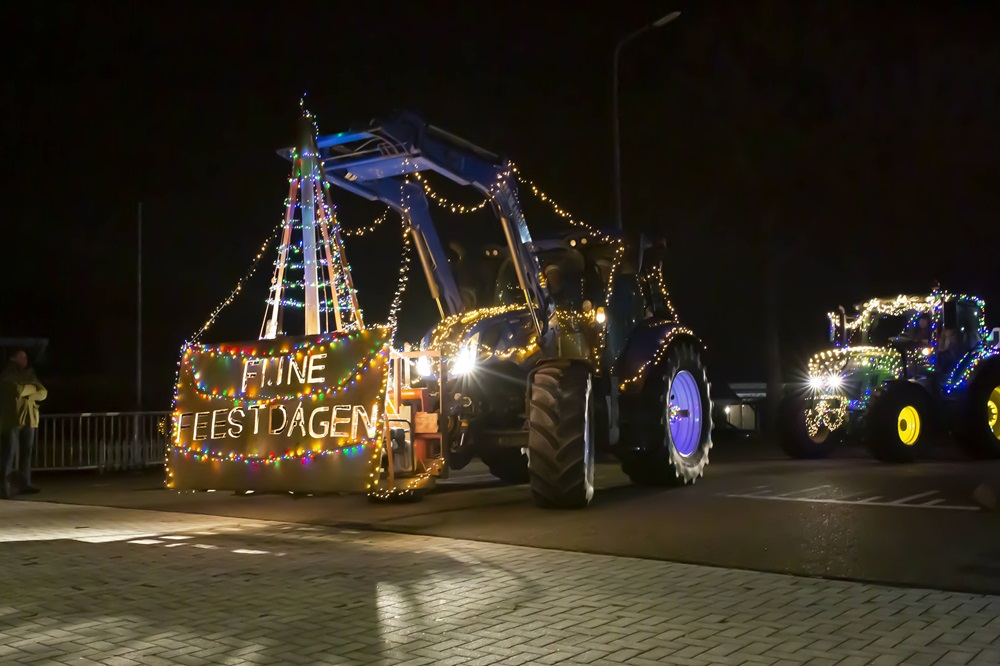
column 8, row 444
column 22, row 440
column 26, row 438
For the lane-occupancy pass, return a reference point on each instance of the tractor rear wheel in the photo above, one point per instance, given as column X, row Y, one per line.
column 677, row 453
column 896, row 423
column 561, row 436
column 793, row 433
column 978, row 428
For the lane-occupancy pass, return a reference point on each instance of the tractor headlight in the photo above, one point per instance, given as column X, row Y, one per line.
column 830, row 382
column 424, row 366
column 464, row 361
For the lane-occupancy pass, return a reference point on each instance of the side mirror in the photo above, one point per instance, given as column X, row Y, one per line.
column 994, row 339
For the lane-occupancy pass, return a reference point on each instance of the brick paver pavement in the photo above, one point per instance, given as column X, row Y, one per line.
column 92, row 585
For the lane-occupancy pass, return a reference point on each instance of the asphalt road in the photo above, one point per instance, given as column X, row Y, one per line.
column 846, row 518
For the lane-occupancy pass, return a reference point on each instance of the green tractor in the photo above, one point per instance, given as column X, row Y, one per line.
column 897, row 371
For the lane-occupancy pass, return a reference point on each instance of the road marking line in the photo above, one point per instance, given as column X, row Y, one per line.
column 807, row 490
column 844, row 496
column 932, row 502
column 869, row 499
column 894, row 505
column 478, row 478
column 913, row 497
column 759, row 493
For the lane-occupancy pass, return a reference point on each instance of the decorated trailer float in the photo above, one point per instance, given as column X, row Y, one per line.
column 288, row 412
column 558, row 348
column 895, row 372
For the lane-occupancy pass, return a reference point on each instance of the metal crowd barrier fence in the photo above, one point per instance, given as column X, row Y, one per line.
column 106, row 442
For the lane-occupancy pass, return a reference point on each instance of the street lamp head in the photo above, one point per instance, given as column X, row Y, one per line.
column 659, row 23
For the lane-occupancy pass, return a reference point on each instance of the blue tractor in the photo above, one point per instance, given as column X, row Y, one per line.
column 547, row 351
column 900, row 369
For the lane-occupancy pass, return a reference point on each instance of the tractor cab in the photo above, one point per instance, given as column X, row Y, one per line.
column 577, row 268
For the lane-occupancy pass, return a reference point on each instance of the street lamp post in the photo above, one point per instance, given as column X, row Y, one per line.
column 659, row 23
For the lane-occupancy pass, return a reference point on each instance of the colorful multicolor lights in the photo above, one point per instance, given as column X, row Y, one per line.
column 303, row 456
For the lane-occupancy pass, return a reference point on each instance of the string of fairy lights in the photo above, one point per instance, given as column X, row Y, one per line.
column 367, row 229
column 239, row 284
column 657, row 358
column 402, row 280
column 445, row 203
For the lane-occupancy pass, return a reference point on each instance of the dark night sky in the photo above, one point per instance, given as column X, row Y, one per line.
column 866, row 131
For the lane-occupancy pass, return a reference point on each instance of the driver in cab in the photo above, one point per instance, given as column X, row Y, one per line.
column 917, row 333
column 923, row 333
column 557, row 285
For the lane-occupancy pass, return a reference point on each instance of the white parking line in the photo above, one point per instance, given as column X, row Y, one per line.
column 913, row 497
column 894, row 505
column 805, row 490
column 477, row 478
column 760, row 493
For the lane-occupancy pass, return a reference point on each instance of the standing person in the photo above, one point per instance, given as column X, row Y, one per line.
column 9, row 424
column 21, row 432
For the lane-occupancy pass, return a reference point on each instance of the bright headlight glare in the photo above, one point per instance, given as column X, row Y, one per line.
column 464, row 361
column 424, row 367
column 819, row 382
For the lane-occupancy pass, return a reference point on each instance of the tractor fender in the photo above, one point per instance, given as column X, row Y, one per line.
column 967, row 367
column 644, row 351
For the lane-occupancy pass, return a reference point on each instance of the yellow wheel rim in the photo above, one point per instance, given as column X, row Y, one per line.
column 908, row 425
column 992, row 409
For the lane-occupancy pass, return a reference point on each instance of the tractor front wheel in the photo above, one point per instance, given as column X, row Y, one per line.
column 978, row 429
column 561, row 436
column 896, row 423
column 793, row 431
column 678, row 453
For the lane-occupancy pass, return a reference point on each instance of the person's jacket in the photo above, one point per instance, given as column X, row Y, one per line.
column 8, row 404
column 21, row 385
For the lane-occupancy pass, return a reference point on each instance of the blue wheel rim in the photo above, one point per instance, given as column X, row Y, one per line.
column 684, row 413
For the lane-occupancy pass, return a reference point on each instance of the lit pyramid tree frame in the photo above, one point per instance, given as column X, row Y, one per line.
column 326, row 275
